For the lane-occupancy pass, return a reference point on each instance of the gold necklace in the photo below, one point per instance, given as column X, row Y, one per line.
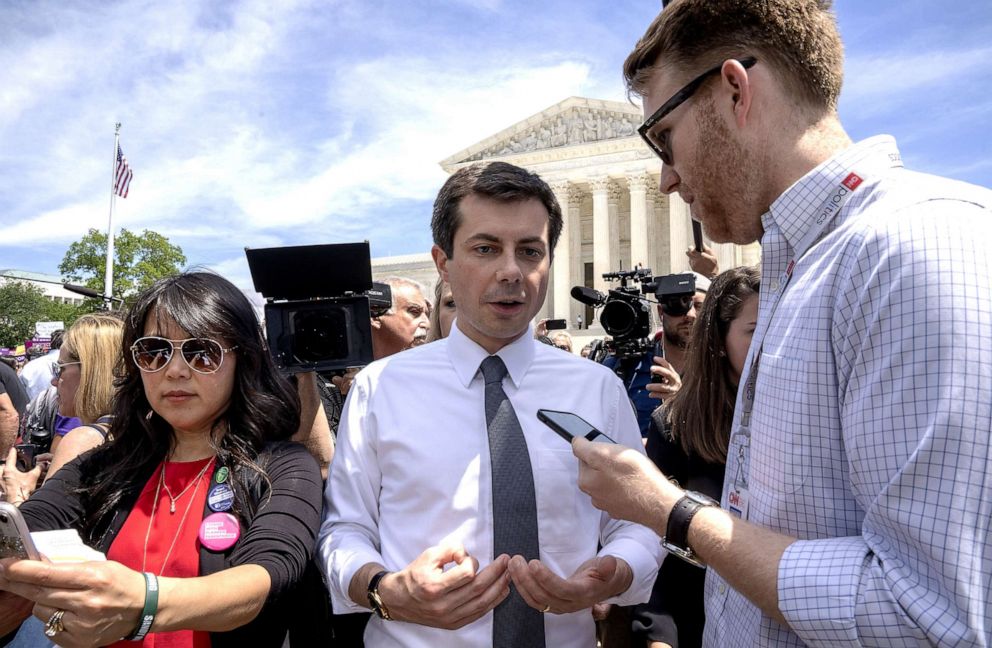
column 182, row 522
column 172, row 500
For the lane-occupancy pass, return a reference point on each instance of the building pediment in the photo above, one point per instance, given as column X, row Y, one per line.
column 574, row 122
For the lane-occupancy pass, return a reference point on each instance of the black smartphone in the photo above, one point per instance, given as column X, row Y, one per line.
column 15, row 540
column 569, row 425
column 697, row 235
column 26, row 456
column 556, row 324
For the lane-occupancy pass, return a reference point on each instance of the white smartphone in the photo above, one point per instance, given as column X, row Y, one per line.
column 15, row 539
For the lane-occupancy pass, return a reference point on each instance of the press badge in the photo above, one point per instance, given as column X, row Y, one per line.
column 737, row 501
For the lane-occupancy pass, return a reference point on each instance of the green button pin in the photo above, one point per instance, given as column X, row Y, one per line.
column 222, row 474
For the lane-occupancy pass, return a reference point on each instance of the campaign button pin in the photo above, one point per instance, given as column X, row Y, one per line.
column 222, row 474
column 219, row 531
column 220, row 498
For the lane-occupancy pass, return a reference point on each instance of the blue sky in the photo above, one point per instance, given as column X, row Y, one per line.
column 293, row 122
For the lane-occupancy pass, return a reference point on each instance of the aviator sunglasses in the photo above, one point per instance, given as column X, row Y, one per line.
column 202, row 355
column 59, row 367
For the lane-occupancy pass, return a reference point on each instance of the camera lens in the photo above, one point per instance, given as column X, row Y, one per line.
column 318, row 335
column 618, row 318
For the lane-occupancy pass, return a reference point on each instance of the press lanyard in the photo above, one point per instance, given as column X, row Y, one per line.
column 831, row 207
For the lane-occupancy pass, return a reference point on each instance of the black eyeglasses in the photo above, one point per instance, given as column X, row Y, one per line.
column 202, row 355
column 59, row 367
column 677, row 100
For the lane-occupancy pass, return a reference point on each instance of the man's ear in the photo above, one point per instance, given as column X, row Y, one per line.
column 440, row 262
column 376, row 323
column 738, row 85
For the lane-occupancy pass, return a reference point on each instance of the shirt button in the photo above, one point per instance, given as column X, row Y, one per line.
column 723, row 589
column 774, row 285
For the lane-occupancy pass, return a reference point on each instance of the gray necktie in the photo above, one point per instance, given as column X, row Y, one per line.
column 515, row 624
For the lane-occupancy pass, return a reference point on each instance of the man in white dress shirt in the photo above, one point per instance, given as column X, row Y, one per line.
column 856, row 503
column 408, row 527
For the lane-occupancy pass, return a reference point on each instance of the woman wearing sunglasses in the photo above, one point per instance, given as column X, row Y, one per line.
column 206, row 512
column 83, row 378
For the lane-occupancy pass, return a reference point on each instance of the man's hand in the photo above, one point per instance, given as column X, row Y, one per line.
column 343, row 383
column 541, row 328
column 670, row 383
column 704, row 262
column 596, row 580
column 427, row 593
column 625, row 483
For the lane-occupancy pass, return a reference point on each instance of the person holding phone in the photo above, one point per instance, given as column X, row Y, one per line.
column 451, row 511
column 855, row 507
column 206, row 513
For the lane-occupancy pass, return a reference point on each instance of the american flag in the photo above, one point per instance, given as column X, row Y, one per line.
column 122, row 174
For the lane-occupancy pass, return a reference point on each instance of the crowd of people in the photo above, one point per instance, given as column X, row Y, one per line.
column 800, row 455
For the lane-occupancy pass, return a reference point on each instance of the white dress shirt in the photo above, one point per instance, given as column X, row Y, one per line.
column 36, row 376
column 870, row 434
column 411, row 470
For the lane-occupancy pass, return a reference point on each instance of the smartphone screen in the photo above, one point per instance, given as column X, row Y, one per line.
column 556, row 324
column 569, row 425
column 15, row 541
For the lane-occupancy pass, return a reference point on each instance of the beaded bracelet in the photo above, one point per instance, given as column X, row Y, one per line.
column 147, row 612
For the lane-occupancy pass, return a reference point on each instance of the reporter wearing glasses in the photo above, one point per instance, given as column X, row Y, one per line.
column 206, row 511
column 83, row 378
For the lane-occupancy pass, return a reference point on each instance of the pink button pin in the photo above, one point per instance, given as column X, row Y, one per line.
column 219, row 531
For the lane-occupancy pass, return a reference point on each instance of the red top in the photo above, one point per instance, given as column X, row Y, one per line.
column 129, row 548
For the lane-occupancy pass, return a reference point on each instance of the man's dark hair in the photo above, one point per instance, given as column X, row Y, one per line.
column 56, row 343
column 497, row 181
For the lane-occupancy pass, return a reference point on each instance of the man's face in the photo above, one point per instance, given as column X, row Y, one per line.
column 405, row 326
column 711, row 168
column 678, row 328
column 499, row 269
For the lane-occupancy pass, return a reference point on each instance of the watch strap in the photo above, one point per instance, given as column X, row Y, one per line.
column 375, row 601
column 676, row 538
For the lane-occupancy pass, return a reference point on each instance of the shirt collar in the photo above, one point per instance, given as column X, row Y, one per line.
column 466, row 355
column 797, row 209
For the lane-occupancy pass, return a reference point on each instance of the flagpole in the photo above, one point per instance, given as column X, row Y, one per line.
column 108, row 278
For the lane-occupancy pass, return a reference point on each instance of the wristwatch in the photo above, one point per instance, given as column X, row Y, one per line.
column 375, row 601
column 676, row 538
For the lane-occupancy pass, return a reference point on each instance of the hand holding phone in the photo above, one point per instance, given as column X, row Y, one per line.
column 15, row 540
column 569, row 425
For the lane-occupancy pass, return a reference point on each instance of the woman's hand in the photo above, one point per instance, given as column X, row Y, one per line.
column 102, row 601
column 18, row 485
column 669, row 380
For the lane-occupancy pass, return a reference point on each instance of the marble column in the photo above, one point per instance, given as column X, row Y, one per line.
column 640, row 225
column 602, row 259
column 613, row 195
column 679, row 233
column 568, row 252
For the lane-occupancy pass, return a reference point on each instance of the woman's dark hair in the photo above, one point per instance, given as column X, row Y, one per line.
column 702, row 411
column 264, row 406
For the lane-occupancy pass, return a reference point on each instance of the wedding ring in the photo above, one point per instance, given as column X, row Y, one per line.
column 54, row 624
column 547, row 608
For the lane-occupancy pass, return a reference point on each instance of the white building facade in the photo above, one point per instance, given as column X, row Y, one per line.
column 606, row 180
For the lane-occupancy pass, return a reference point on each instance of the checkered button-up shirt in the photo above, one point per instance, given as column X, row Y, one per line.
column 870, row 434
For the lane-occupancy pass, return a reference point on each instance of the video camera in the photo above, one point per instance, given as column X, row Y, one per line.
column 626, row 315
column 319, row 302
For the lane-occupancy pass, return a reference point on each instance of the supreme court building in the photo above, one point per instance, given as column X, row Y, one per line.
column 606, row 180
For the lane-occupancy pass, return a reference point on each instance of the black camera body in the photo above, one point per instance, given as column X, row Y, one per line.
column 626, row 315
column 674, row 292
column 319, row 304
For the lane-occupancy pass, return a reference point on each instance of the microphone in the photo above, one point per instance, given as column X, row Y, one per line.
column 83, row 290
column 588, row 296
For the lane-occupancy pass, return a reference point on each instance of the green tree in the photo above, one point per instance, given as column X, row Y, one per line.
column 139, row 261
column 22, row 305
